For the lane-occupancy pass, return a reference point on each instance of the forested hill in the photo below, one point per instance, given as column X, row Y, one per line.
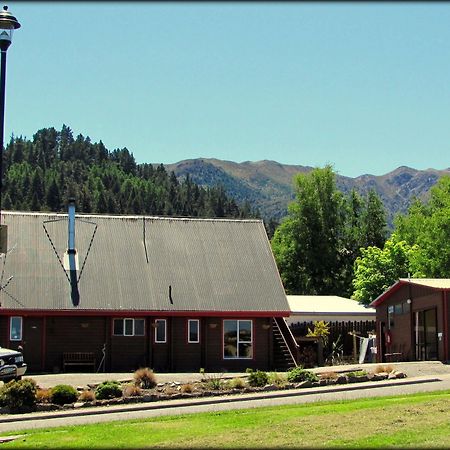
column 43, row 173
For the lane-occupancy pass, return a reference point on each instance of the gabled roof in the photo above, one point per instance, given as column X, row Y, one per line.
column 141, row 264
column 442, row 284
column 326, row 304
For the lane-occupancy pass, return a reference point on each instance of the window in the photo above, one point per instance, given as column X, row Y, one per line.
column 160, row 331
column 193, row 331
column 390, row 317
column 237, row 339
column 406, row 307
column 15, row 329
column 129, row 327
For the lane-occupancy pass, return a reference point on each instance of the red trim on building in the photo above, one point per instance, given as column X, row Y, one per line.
column 134, row 313
column 395, row 287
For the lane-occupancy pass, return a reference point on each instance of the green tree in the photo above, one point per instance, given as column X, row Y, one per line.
column 306, row 245
column 377, row 269
column 316, row 245
column 374, row 221
column 428, row 227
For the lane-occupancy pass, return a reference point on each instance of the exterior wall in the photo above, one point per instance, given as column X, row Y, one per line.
column 186, row 357
column 72, row 334
column 402, row 332
column 214, row 348
column 45, row 339
column 125, row 353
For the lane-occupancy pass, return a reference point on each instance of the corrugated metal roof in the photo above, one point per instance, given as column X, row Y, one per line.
column 210, row 264
column 433, row 283
column 326, row 304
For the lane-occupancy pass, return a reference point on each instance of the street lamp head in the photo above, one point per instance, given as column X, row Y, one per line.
column 8, row 23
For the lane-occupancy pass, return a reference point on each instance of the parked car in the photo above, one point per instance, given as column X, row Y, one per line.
column 12, row 366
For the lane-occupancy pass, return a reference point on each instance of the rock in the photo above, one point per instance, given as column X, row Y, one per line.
column 77, row 405
column 341, row 379
column 304, row 384
column 358, row 379
column 399, row 374
column 42, row 407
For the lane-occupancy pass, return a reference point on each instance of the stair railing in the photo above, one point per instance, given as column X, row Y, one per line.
column 293, row 341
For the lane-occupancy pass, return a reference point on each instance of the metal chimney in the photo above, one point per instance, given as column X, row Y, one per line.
column 71, row 242
column 71, row 255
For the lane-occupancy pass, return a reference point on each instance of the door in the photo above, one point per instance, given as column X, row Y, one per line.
column 425, row 331
column 32, row 343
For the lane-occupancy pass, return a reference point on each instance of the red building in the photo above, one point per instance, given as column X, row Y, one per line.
column 413, row 320
column 171, row 294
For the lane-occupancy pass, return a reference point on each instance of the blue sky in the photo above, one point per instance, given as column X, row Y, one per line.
column 365, row 87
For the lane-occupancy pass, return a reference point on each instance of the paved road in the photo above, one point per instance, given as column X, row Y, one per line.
column 139, row 411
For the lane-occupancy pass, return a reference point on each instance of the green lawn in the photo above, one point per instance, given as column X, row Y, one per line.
column 419, row 420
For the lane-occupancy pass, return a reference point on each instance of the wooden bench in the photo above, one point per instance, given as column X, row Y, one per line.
column 393, row 357
column 78, row 359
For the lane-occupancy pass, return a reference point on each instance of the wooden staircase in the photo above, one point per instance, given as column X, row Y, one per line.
column 285, row 347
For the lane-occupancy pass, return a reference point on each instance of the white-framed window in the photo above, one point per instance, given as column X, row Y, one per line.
column 128, row 327
column 160, row 331
column 15, row 328
column 238, row 339
column 193, row 331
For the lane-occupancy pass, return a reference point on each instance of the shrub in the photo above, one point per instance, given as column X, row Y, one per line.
column 132, row 390
column 43, row 395
column 299, row 374
column 62, row 394
column 18, row 394
column 107, row 390
column 277, row 379
column 213, row 382
column 187, row 388
column 236, row 383
column 328, row 375
column 357, row 373
column 258, row 378
column 86, row 396
column 382, row 369
column 145, row 378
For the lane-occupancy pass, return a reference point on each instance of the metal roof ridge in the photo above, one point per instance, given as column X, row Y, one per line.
column 128, row 216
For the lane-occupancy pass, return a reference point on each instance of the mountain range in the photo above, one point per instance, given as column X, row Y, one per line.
column 268, row 185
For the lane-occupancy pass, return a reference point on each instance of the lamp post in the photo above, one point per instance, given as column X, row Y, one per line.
column 8, row 23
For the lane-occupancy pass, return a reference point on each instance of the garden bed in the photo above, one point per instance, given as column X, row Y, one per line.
column 146, row 389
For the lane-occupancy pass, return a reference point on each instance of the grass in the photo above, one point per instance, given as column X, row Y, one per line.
column 418, row 420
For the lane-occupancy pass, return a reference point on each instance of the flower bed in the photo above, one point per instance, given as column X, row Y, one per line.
column 209, row 386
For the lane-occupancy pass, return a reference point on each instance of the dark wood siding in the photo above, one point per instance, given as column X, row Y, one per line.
column 56, row 335
column 73, row 334
column 160, row 352
column 4, row 332
column 402, row 332
column 127, row 353
column 186, row 357
column 214, row 347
